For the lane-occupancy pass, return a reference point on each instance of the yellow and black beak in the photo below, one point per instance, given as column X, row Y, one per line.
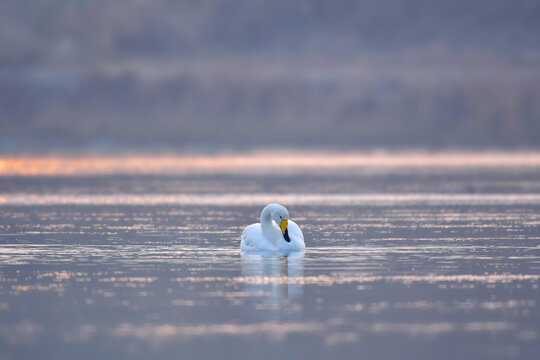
column 283, row 225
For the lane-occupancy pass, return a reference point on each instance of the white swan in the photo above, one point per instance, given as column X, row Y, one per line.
column 269, row 236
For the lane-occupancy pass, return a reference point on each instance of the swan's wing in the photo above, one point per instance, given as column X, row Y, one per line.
column 295, row 232
column 254, row 240
column 250, row 235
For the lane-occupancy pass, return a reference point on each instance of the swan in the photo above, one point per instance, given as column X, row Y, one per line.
column 269, row 236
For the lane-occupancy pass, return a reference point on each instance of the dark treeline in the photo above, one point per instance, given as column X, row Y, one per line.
column 252, row 72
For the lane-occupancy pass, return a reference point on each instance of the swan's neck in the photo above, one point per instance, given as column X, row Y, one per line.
column 270, row 231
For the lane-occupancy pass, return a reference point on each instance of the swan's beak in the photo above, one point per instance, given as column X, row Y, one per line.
column 283, row 225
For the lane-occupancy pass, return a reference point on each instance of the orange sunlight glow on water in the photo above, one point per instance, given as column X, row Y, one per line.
column 258, row 162
column 251, row 199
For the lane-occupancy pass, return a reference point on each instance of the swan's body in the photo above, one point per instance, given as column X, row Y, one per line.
column 269, row 236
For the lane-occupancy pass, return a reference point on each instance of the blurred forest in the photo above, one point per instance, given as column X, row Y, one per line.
column 97, row 74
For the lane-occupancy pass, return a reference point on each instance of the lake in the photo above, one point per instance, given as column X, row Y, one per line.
column 409, row 256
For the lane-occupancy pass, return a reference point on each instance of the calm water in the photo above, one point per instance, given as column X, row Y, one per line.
column 417, row 262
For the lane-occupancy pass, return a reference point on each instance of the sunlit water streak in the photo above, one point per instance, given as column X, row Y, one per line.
column 289, row 161
column 404, row 260
column 261, row 199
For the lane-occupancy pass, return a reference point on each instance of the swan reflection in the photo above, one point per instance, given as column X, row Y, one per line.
column 275, row 283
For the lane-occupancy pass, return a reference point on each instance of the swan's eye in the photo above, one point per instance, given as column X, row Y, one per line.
column 280, row 217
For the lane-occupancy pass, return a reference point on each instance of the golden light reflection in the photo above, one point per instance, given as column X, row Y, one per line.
column 234, row 199
column 163, row 332
column 157, row 334
column 256, row 162
column 330, row 280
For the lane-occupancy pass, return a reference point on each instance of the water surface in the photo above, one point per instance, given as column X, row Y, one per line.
column 405, row 259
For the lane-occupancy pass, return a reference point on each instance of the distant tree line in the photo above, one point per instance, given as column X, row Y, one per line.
column 269, row 73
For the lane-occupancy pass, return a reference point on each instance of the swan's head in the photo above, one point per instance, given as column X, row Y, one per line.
column 281, row 216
